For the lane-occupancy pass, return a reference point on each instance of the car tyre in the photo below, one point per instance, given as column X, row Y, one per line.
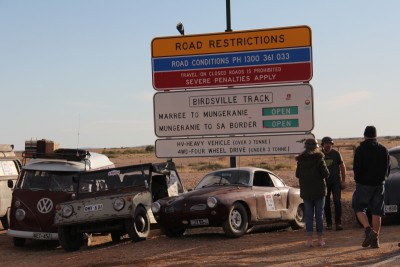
column 174, row 232
column 19, row 242
column 70, row 238
column 237, row 223
column 138, row 228
column 299, row 221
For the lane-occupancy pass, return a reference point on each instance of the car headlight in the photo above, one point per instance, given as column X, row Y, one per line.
column 17, row 203
column 20, row 214
column 211, row 202
column 155, row 207
column 119, row 204
column 67, row 211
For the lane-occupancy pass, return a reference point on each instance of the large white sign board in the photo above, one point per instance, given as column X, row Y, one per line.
column 251, row 110
column 231, row 146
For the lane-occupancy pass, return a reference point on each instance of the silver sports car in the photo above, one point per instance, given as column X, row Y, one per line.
column 234, row 198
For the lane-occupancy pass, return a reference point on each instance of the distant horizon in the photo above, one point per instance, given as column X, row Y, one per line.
column 394, row 137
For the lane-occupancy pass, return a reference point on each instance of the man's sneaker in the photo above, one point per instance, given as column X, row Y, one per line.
column 329, row 227
column 375, row 243
column 370, row 235
column 339, row 227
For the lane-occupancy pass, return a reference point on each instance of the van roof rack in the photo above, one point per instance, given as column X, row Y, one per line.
column 69, row 154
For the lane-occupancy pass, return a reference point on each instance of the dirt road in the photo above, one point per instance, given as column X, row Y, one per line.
column 204, row 248
column 210, row 247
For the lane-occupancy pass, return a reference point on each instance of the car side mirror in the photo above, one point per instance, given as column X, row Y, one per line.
column 10, row 184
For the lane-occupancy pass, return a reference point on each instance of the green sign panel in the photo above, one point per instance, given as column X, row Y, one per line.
column 289, row 123
column 280, row 111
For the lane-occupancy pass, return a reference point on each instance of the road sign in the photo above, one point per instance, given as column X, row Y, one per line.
column 255, row 57
column 231, row 146
column 252, row 110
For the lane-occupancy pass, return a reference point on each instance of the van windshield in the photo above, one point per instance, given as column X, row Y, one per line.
column 8, row 168
column 48, row 180
column 116, row 178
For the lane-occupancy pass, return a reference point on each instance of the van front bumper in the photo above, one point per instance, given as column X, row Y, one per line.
column 33, row 235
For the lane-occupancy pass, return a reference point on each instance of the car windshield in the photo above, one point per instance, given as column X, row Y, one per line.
column 110, row 179
column 395, row 161
column 225, row 177
column 48, row 180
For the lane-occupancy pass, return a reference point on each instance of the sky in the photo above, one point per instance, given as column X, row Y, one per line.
column 78, row 72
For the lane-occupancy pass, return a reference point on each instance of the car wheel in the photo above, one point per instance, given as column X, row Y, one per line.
column 138, row 228
column 70, row 238
column 19, row 242
column 237, row 223
column 299, row 221
column 174, row 232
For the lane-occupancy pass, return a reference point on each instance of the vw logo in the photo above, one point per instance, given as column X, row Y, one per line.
column 45, row 205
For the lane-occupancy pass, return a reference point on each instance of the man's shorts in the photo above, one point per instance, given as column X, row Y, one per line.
column 371, row 197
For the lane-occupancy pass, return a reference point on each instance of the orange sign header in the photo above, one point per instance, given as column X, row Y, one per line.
column 263, row 39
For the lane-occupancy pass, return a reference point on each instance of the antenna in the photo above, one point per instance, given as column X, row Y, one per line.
column 79, row 126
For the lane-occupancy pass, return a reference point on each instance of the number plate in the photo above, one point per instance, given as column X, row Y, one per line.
column 94, row 207
column 390, row 208
column 198, row 222
column 42, row 236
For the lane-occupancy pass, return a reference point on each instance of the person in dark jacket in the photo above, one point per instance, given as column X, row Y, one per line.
column 371, row 167
column 312, row 172
column 335, row 183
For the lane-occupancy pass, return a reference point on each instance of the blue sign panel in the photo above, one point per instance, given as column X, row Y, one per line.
column 238, row 59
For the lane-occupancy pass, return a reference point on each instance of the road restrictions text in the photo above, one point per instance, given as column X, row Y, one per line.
column 231, row 146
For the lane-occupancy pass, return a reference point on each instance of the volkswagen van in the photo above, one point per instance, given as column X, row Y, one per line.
column 116, row 201
column 10, row 167
column 45, row 181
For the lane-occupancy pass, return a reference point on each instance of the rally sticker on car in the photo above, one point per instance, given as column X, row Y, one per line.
column 269, row 201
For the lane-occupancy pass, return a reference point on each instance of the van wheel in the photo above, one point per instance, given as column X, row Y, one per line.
column 70, row 238
column 19, row 242
column 138, row 228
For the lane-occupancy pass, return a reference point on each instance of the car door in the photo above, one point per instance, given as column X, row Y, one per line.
column 268, row 197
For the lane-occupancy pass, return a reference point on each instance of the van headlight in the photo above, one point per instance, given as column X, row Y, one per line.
column 211, row 202
column 67, row 211
column 20, row 214
column 155, row 207
column 119, row 204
